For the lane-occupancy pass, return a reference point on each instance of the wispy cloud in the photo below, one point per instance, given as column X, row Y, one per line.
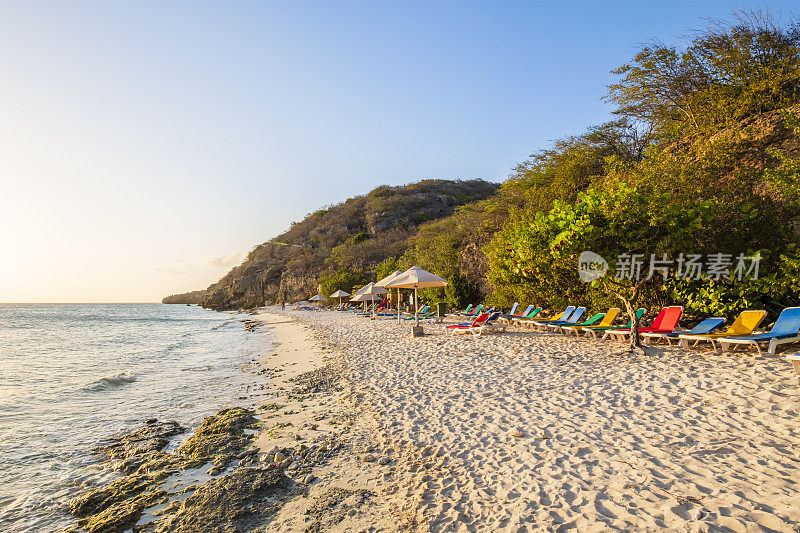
column 215, row 261
column 176, row 270
column 234, row 259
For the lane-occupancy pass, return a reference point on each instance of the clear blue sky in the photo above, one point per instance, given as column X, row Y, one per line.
column 145, row 145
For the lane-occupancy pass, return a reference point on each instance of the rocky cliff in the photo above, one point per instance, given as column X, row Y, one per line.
column 356, row 234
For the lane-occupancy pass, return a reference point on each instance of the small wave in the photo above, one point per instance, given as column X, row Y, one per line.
column 202, row 368
column 222, row 325
column 111, row 382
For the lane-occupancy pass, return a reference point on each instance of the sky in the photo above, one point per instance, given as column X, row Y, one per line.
column 146, row 147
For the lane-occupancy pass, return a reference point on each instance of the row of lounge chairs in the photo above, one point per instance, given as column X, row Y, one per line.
column 665, row 326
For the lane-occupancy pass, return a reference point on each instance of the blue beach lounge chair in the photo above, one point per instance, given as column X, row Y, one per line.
column 527, row 316
column 573, row 319
column 706, row 326
column 785, row 330
column 594, row 319
column 743, row 325
column 541, row 322
column 521, row 315
column 606, row 320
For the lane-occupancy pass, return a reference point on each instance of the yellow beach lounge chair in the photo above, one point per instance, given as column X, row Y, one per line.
column 744, row 324
column 786, row 330
column 608, row 319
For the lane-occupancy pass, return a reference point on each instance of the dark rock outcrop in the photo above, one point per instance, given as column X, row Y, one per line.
column 235, row 502
column 220, row 439
column 189, row 298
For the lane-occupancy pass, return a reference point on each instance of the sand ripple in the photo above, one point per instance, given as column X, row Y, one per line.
column 678, row 439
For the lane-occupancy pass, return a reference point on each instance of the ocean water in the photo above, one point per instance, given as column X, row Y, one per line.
column 72, row 375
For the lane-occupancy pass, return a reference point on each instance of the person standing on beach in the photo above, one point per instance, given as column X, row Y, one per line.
column 283, row 306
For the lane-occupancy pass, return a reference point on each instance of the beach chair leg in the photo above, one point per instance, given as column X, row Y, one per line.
column 773, row 346
column 796, row 365
column 759, row 349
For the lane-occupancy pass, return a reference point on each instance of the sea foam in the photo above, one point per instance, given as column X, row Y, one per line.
column 117, row 380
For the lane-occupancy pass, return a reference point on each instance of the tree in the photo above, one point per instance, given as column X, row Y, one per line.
column 386, row 267
column 619, row 223
column 460, row 291
column 727, row 72
column 343, row 279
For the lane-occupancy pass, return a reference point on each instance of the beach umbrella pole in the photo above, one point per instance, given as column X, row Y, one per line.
column 416, row 306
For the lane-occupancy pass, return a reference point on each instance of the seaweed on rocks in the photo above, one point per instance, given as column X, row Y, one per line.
column 325, row 379
column 120, row 490
column 221, row 439
column 234, row 502
column 133, row 449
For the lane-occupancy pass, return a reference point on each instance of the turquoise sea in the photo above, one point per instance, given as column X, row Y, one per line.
column 72, row 375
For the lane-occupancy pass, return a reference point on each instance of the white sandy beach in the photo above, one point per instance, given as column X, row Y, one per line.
column 681, row 440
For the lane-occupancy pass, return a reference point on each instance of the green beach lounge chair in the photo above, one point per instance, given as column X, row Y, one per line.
column 593, row 331
column 594, row 319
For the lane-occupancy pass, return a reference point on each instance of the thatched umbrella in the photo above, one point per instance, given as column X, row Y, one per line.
column 388, row 279
column 339, row 294
column 373, row 289
column 318, row 298
column 416, row 278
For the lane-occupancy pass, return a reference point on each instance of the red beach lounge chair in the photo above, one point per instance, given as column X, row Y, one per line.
column 665, row 322
column 475, row 327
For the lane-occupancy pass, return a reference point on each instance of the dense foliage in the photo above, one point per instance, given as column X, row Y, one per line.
column 714, row 173
column 344, row 280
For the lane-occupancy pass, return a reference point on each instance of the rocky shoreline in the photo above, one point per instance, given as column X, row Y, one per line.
column 240, row 467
